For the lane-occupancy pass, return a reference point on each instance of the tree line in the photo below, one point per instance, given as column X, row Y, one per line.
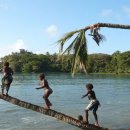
column 26, row 62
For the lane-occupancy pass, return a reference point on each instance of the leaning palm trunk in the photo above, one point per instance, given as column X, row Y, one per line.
column 50, row 112
column 78, row 47
column 108, row 25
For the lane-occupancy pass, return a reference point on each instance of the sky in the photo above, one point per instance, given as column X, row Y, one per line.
column 37, row 25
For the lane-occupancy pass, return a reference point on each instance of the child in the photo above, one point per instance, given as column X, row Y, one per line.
column 80, row 118
column 47, row 90
column 7, row 77
column 93, row 104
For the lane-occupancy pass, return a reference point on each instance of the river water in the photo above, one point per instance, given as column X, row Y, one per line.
column 113, row 91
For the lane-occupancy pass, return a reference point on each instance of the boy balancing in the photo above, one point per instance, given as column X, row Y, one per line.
column 47, row 90
column 93, row 104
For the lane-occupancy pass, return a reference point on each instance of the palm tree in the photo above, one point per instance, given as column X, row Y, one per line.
column 78, row 46
column 49, row 112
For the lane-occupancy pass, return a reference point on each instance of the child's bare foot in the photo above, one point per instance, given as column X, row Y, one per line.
column 47, row 107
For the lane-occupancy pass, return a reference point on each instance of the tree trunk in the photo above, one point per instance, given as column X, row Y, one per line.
column 108, row 25
column 49, row 112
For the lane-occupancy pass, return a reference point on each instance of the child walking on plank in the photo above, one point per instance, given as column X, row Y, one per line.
column 93, row 104
column 47, row 90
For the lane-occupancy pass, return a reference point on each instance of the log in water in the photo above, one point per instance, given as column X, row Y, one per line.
column 50, row 112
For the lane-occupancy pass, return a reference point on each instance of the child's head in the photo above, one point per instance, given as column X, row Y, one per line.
column 89, row 86
column 41, row 76
column 6, row 63
column 80, row 117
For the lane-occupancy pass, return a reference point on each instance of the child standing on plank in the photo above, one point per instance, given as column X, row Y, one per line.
column 93, row 104
column 47, row 90
column 7, row 78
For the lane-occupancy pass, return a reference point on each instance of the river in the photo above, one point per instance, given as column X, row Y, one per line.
column 113, row 92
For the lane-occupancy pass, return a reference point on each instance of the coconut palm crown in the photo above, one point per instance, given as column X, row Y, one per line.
column 78, row 47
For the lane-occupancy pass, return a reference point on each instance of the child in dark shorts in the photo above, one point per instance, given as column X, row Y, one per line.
column 7, row 77
column 47, row 90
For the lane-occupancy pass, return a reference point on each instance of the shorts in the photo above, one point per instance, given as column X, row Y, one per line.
column 7, row 80
column 49, row 91
column 93, row 105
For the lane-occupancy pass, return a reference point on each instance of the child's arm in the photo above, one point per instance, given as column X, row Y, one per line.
column 40, row 87
column 4, row 71
column 12, row 72
column 85, row 95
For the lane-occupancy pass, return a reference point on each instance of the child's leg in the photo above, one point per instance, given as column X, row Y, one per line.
column 89, row 107
column 2, row 86
column 86, row 115
column 2, row 90
column 95, row 116
column 7, row 89
column 8, row 85
column 47, row 101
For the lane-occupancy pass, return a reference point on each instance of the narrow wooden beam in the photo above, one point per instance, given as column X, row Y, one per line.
column 50, row 112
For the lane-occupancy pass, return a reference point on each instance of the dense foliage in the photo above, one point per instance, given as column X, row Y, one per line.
column 25, row 61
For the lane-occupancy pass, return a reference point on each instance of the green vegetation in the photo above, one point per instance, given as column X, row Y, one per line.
column 26, row 62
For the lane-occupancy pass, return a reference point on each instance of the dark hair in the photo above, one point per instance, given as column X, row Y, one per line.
column 89, row 86
column 42, row 75
column 6, row 63
column 80, row 117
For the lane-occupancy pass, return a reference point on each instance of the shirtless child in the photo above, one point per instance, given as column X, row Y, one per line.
column 47, row 90
column 93, row 104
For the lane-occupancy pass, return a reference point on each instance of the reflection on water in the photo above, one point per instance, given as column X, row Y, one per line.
column 113, row 91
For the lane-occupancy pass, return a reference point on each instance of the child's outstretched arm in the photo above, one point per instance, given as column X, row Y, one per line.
column 42, row 84
column 84, row 95
column 39, row 87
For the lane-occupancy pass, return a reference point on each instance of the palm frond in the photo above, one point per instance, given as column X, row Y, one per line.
column 70, row 48
column 64, row 39
column 80, row 53
column 76, row 49
column 83, row 55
